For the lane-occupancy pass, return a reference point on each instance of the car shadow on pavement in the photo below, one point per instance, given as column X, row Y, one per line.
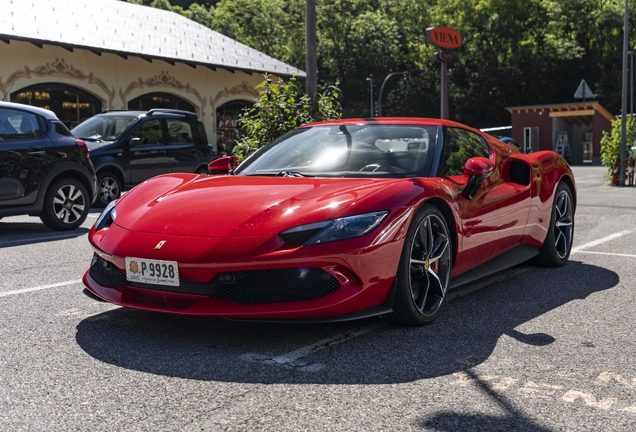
column 24, row 233
column 464, row 335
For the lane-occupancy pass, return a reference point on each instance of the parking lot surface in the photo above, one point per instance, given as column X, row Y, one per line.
column 531, row 349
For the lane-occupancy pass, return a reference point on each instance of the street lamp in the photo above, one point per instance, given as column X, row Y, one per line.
column 621, row 180
column 406, row 75
column 371, row 94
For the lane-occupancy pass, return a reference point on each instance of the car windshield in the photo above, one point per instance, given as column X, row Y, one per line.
column 347, row 151
column 102, row 128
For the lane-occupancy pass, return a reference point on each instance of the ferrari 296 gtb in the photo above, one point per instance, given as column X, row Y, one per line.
column 335, row 220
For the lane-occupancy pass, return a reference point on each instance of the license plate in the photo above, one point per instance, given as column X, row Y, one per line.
column 148, row 271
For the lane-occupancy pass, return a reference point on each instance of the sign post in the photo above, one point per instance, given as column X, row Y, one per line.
column 443, row 38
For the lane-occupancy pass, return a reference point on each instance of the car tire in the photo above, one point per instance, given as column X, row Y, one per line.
column 558, row 241
column 423, row 274
column 66, row 204
column 108, row 188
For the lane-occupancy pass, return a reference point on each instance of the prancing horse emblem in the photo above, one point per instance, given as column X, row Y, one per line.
column 426, row 265
column 160, row 244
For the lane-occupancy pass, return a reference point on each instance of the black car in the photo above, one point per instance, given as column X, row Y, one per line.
column 44, row 170
column 128, row 147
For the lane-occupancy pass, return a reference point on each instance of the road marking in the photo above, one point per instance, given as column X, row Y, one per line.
column 608, row 253
column 294, row 359
column 610, row 381
column 39, row 288
column 599, row 241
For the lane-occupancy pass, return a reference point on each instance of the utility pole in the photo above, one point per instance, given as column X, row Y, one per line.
column 371, row 96
column 310, row 46
column 623, row 145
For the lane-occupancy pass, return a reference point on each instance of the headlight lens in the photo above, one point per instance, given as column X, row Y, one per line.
column 333, row 230
column 107, row 217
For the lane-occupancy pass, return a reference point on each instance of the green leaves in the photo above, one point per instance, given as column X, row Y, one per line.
column 281, row 107
column 611, row 143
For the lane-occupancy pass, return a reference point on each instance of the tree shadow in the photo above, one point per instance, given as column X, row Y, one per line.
column 463, row 336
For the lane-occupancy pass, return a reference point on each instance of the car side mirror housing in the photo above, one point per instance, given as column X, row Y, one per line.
column 223, row 165
column 134, row 142
column 477, row 169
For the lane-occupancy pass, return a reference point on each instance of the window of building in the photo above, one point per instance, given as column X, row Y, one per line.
column 228, row 129
column 72, row 105
column 160, row 100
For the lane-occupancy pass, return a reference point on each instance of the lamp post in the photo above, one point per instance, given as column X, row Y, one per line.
column 621, row 180
column 310, row 44
column 631, row 82
column 406, row 75
column 371, row 96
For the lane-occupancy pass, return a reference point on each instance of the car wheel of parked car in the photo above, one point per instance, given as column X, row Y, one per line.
column 424, row 271
column 558, row 241
column 108, row 188
column 66, row 204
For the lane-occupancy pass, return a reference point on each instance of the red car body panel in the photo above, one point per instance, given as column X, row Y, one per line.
column 216, row 224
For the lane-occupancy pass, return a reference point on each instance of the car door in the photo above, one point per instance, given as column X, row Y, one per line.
column 495, row 218
column 182, row 150
column 26, row 156
column 146, row 155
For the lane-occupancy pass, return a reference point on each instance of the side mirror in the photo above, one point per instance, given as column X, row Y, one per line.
column 134, row 142
column 477, row 169
column 223, row 164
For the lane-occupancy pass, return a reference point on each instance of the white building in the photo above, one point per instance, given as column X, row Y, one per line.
column 80, row 57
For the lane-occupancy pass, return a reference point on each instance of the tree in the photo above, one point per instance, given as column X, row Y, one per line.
column 282, row 107
column 611, row 144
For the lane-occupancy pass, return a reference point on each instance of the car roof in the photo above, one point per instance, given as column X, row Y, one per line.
column 405, row 121
column 153, row 112
column 47, row 114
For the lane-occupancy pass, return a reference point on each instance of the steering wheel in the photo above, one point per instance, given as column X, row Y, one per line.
column 370, row 168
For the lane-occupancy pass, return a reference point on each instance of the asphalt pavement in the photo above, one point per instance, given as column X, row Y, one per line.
column 532, row 349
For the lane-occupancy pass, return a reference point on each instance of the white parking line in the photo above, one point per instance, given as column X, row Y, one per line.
column 39, row 288
column 599, row 241
column 294, row 356
column 608, row 253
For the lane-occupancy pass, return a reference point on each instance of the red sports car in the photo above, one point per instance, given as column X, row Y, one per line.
column 333, row 221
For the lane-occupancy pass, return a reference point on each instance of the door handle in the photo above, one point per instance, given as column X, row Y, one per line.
column 37, row 152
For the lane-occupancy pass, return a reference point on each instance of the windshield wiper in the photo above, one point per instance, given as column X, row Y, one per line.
column 291, row 174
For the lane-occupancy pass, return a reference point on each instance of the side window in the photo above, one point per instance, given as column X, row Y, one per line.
column 150, row 132
column 62, row 130
column 179, row 131
column 459, row 146
column 17, row 125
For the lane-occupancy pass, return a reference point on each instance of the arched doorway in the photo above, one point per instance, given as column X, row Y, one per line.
column 71, row 104
column 160, row 100
column 228, row 129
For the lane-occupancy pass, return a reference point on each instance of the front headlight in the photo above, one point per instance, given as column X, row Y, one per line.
column 107, row 217
column 333, row 230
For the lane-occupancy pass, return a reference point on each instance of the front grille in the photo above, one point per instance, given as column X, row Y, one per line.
column 244, row 287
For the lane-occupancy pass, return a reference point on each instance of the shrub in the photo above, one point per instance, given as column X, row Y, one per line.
column 282, row 107
column 611, row 144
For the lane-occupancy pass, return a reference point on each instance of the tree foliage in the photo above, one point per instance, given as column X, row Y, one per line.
column 281, row 107
column 611, row 143
column 515, row 52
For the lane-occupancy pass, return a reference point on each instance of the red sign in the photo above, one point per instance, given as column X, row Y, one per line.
column 443, row 37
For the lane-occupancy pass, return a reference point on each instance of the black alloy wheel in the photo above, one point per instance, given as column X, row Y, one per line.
column 108, row 188
column 66, row 204
column 424, row 271
column 558, row 241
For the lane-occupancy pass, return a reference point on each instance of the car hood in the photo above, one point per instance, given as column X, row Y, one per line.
column 96, row 145
column 225, row 206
